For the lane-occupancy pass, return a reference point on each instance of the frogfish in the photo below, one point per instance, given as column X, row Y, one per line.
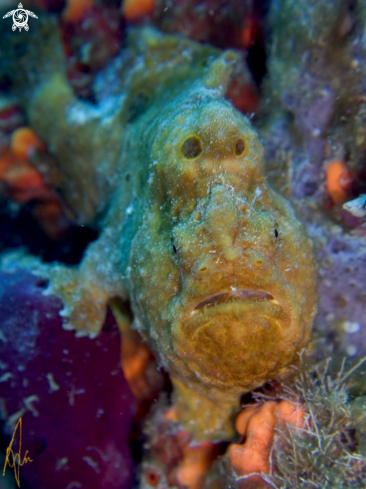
column 218, row 271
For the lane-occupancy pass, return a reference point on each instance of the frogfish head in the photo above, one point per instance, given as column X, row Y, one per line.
column 225, row 277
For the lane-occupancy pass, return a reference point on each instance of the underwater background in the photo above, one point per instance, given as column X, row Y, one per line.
column 90, row 93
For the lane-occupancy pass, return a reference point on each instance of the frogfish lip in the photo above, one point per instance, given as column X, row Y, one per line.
column 234, row 296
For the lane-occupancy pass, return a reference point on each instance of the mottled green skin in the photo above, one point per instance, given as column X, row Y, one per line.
column 176, row 231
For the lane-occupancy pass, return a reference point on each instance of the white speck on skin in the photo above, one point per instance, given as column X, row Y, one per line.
column 257, row 192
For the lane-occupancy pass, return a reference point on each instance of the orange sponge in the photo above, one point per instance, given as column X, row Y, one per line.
column 137, row 9
column 75, row 10
column 257, row 424
column 338, row 181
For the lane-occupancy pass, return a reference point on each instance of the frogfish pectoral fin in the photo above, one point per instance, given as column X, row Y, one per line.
column 84, row 289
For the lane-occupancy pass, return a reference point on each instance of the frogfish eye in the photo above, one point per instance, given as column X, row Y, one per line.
column 192, row 147
column 239, row 147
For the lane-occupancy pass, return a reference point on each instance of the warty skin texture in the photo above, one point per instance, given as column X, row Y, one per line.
column 215, row 232
column 220, row 274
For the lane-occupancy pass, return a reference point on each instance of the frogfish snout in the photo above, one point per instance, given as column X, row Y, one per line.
column 221, row 220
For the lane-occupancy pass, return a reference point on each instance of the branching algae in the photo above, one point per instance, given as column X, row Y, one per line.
column 220, row 274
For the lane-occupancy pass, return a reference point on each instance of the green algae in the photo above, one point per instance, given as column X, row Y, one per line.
column 328, row 452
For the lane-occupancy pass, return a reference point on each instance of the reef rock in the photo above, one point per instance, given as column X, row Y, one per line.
column 70, row 393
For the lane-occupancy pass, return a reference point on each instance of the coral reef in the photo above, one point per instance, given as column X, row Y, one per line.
column 310, row 438
column 257, row 426
column 172, row 460
column 305, row 431
column 341, row 317
column 21, row 152
column 122, row 123
column 316, row 85
column 324, row 452
column 316, row 71
column 222, row 23
column 311, row 123
column 24, row 183
column 198, row 173
column 92, row 36
column 75, row 405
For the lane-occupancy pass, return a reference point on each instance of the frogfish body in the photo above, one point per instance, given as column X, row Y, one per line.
column 219, row 272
